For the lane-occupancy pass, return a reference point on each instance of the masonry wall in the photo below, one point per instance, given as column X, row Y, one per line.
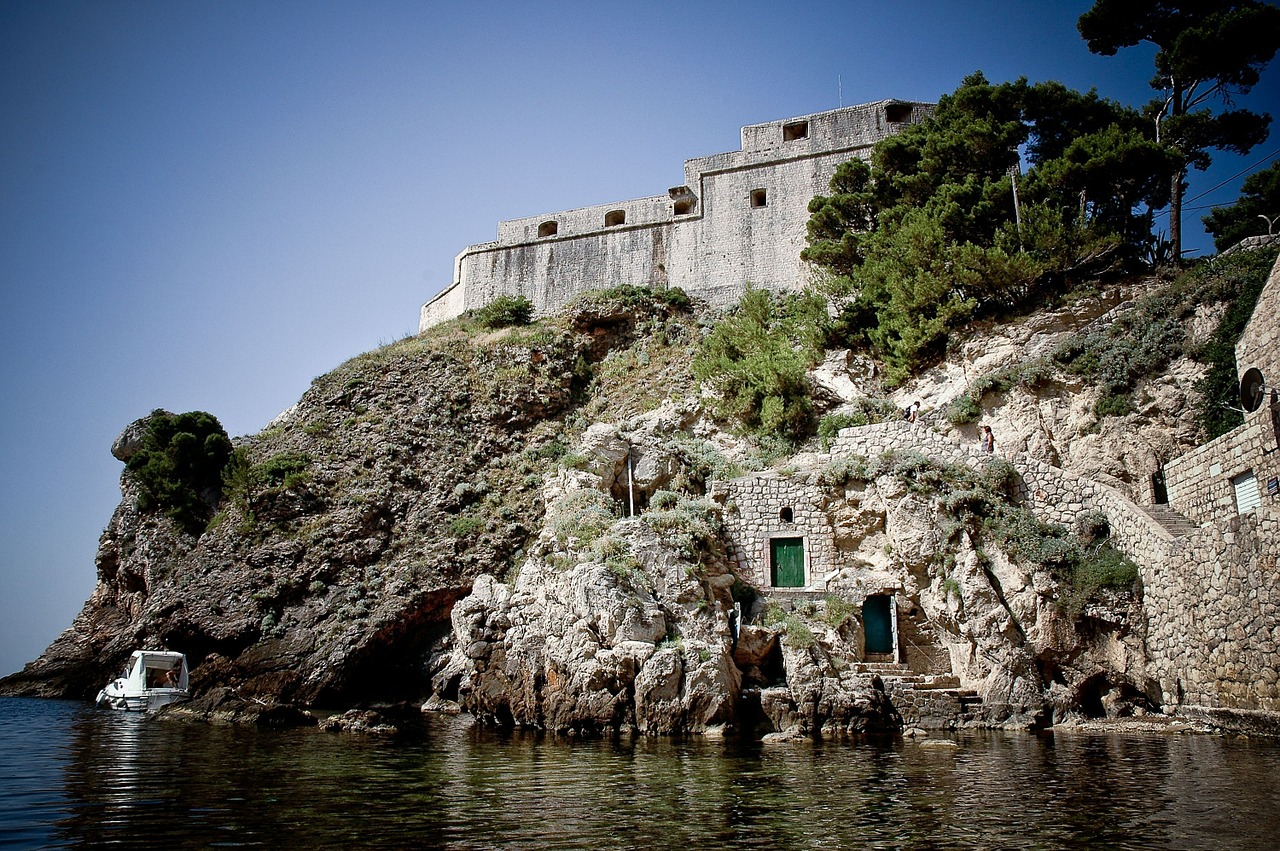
column 1199, row 482
column 753, row 517
column 739, row 219
column 1213, row 615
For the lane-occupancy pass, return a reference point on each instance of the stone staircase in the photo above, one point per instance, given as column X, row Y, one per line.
column 1173, row 522
column 925, row 700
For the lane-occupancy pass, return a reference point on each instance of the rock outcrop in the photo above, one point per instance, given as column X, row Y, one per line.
column 516, row 524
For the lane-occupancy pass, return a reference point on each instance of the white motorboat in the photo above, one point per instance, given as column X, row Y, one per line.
column 153, row 678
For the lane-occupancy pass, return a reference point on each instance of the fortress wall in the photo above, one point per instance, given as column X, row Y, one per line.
column 446, row 305
column 656, row 209
column 551, row 272
column 744, row 238
column 746, row 223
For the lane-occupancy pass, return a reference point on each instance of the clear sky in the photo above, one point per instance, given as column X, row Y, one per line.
column 206, row 205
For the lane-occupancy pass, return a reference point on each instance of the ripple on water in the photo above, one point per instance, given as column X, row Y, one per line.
column 73, row 775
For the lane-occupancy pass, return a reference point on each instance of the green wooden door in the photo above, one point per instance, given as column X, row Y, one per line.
column 786, row 559
column 878, row 624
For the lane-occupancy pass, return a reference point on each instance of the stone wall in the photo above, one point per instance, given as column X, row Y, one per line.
column 1213, row 615
column 753, row 517
column 1200, row 482
column 740, row 218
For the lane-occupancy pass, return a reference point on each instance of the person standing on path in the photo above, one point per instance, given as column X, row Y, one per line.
column 988, row 440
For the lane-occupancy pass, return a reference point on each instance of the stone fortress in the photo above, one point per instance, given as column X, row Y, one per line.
column 739, row 218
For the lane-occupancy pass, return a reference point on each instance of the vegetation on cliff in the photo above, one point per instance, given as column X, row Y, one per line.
column 180, row 465
column 929, row 235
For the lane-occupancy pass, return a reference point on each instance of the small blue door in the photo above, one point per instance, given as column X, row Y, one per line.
column 877, row 623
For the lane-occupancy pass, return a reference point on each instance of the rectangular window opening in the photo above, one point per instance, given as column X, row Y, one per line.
column 897, row 113
column 759, row 198
column 795, row 130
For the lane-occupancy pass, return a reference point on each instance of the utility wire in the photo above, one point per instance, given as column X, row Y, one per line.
column 1246, row 169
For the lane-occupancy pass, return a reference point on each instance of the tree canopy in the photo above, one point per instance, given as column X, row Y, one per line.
column 1206, row 50
column 1256, row 212
column 926, row 236
column 179, row 467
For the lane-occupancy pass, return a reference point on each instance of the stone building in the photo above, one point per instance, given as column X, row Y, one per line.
column 738, row 218
column 1240, row 470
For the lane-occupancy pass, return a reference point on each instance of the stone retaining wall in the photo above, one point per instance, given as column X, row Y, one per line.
column 1213, row 615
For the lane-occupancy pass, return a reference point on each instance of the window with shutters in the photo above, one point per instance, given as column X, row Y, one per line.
column 1248, row 497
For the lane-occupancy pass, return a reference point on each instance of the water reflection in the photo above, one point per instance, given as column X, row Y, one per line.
column 90, row 777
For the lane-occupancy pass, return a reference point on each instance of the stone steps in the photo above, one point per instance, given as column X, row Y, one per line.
column 1172, row 521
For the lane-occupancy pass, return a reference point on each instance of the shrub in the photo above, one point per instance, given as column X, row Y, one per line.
column 505, row 311
column 180, row 465
column 584, row 515
column 465, row 526
column 963, row 409
column 1104, row 567
column 285, row 469
column 1111, row 406
column 837, row 610
column 755, row 359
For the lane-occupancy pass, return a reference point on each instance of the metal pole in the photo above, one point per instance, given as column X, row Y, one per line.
column 631, row 485
column 1017, row 208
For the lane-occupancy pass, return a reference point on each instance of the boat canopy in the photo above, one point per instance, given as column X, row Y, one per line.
column 157, row 669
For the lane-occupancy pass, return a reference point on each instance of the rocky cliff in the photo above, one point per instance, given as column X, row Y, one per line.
column 457, row 525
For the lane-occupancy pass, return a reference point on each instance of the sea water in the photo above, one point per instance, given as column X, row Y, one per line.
column 73, row 775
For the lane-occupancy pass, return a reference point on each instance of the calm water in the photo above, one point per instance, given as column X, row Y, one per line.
column 74, row 775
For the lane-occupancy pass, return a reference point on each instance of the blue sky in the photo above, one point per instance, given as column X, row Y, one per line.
column 204, row 206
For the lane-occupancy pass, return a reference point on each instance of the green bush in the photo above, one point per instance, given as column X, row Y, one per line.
column 1104, row 567
column 505, row 311
column 179, row 467
column 285, row 470
column 755, row 359
column 1239, row 279
column 1111, row 406
column 465, row 526
column 963, row 409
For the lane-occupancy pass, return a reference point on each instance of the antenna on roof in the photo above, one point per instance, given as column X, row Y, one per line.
column 840, row 90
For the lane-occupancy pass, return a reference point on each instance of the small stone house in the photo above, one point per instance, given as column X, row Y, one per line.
column 798, row 543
